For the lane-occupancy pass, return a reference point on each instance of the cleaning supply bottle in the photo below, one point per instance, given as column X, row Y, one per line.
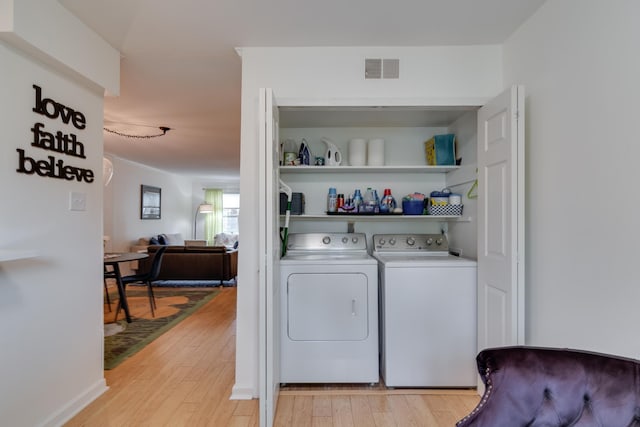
column 388, row 202
column 332, row 200
column 370, row 202
column 357, row 201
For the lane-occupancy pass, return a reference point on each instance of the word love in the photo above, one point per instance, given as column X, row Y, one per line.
column 54, row 110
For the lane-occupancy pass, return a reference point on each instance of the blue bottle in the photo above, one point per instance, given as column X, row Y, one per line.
column 357, row 201
column 388, row 203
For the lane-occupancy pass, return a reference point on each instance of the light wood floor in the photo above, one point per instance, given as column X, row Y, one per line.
column 184, row 378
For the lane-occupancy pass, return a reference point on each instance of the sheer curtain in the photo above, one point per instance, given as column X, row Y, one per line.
column 213, row 221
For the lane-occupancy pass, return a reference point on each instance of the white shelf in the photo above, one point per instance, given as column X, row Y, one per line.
column 366, row 169
column 351, row 218
column 13, row 254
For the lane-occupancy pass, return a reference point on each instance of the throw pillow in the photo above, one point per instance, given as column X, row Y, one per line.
column 154, row 241
column 174, row 239
column 162, row 239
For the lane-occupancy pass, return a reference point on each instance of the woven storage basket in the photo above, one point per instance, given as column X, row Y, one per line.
column 445, row 210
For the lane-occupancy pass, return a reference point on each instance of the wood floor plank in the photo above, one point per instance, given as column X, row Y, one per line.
column 284, row 411
column 361, row 411
column 302, row 411
column 421, row 411
column 322, row 422
column 384, row 419
column 182, row 416
column 401, row 411
column 322, row 406
column 342, row 415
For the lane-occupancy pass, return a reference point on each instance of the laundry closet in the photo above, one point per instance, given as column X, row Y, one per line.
column 439, row 91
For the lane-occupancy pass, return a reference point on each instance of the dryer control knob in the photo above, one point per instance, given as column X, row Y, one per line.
column 326, row 240
column 411, row 241
column 354, row 239
column 438, row 242
column 345, row 240
column 381, row 242
column 429, row 241
column 392, row 241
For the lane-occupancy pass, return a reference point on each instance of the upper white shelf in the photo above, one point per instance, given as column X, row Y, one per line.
column 367, row 169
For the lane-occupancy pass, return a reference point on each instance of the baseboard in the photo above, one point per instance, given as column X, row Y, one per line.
column 76, row 405
column 243, row 393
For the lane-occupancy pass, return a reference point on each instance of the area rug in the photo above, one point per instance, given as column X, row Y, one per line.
column 122, row 339
column 192, row 283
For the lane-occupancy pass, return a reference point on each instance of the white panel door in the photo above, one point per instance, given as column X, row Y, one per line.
column 501, row 220
column 269, row 244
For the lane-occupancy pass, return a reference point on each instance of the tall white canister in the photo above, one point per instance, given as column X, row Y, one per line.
column 375, row 152
column 357, row 152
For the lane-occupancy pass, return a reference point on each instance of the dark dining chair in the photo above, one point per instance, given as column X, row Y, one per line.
column 108, row 275
column 147, row 278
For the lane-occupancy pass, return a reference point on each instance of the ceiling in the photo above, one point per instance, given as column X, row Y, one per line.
column 179, row 66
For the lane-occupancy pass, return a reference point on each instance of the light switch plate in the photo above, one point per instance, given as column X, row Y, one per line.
column 77, row 201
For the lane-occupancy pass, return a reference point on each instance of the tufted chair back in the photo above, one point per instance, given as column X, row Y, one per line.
column 536, row 387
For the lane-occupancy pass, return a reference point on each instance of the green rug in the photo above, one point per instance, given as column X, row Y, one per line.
column 174, row 305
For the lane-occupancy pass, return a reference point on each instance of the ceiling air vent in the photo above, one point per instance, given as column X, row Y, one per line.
column 372, row 68
column 381, row 68
column 390, row 68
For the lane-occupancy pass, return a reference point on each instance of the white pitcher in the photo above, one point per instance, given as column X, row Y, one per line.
column 332, row 155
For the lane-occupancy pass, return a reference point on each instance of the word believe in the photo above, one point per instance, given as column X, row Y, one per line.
column 59, row 142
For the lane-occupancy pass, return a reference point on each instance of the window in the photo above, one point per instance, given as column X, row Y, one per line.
column 230, row 211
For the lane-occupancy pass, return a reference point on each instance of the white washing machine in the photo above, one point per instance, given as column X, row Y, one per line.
column 329, row 302
column 427, row 312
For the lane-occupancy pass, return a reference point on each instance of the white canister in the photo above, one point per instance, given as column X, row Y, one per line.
column 375, row 152
column 455, row 199
column 357, row 152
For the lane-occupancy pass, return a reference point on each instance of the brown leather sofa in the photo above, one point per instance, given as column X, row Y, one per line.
column 194, row 263
column 535, row 387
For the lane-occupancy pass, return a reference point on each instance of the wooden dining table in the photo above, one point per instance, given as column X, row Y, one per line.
column 114, row 260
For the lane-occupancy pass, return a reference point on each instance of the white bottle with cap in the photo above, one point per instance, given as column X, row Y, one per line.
column 332, row 200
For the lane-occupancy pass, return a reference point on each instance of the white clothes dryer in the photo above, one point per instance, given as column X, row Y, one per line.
column 329, row 302
column 427, row 312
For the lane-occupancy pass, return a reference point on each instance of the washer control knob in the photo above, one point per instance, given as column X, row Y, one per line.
column 345, row 240
column 354, row 240
column 411, row 241
column 392, row 241
column 429, row 241
column 326, row 240
column 381, row 242
column 438, row 242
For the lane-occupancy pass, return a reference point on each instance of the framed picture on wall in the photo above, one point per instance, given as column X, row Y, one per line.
column 150, row 202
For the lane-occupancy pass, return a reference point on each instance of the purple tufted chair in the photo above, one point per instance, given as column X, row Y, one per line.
column 536, row 387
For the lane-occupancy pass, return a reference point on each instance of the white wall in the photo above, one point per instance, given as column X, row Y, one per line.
column 463, row 75
column 122, row 204
column 579, row 64
column 51, row 326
